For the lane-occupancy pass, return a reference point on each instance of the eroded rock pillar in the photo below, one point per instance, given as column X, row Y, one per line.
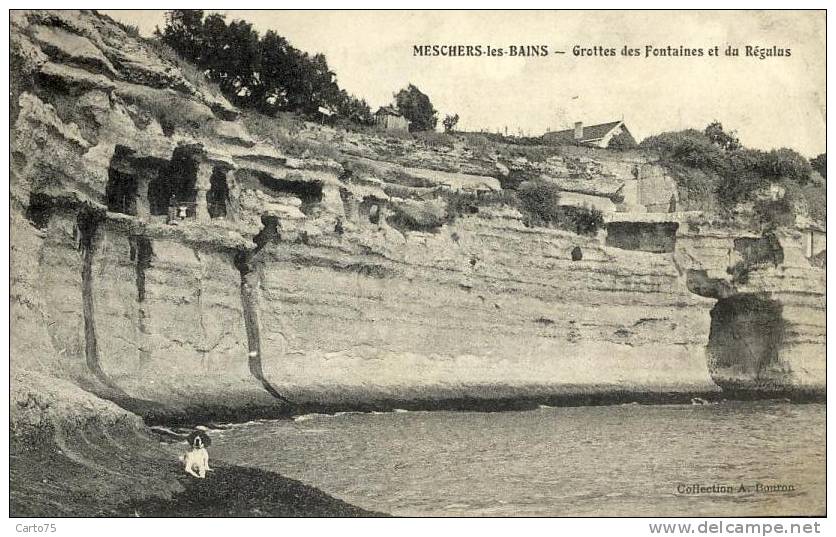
column 143, row 204
column 202, row 185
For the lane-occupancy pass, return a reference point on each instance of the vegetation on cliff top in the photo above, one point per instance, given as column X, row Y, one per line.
column 271, row 78
column 263, row 73
column 716, row 173
column 417, row 108
column 539, row 202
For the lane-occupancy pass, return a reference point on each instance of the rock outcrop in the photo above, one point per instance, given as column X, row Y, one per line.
column 169, row 260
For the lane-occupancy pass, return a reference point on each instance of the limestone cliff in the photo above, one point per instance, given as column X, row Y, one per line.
column 170, row 257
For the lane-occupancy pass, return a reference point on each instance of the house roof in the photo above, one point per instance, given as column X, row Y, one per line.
column 591, row 133
column 388, row 110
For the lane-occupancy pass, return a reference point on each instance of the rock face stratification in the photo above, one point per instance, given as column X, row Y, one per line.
column 169, row 260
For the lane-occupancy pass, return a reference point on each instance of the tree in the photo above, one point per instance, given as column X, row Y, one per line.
column 820, row 164
column 354, row 109
column 450, row 122
column 417, row 108
column 266, row 74
column 727, row 141
column 183, row 31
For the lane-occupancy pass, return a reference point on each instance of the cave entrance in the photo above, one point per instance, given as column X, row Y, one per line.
column 159, row 196
column 121, row 189
column 175, row 186
column 130, row 181
column 370, row 209
column 652, row 237
column 218, row 193
column 308, row 192
column 747, row 331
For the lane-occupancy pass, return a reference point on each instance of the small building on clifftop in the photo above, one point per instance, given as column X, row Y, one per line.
column 593, row 135
column 389, row 118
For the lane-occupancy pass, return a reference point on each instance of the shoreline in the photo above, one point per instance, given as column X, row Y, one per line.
column 55, row 481
column 237, row 492
column 220, row 415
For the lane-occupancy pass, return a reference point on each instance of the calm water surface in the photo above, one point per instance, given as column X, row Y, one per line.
column 607, row 460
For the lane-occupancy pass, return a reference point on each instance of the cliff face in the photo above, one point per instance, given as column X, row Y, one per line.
column 304, row 278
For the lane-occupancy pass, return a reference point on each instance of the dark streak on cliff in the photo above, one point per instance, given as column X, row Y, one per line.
column 87, row 224
column 245, row 261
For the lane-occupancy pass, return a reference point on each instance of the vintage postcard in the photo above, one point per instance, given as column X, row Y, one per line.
column 417, row 264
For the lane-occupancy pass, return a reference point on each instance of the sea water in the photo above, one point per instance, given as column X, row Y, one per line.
column 725, row 459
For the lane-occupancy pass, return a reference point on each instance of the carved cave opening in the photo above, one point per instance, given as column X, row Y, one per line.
column 175, row 184
column 218, row 193
column 121, row 188
column 652, row 237
column 746, row 334
column 309, row 192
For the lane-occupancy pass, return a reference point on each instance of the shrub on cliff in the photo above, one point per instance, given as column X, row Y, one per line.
column 622, row 142
column 689, row 147
column 719, row 137
column 458, row 203
column 581, row 220
column 788, row 164
column 539, row 201
column 715, row 173
column 820, row 164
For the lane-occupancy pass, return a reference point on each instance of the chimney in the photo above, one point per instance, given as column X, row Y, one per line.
column 579, row 130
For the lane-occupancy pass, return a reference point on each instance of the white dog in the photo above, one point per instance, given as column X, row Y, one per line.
column 196, row 459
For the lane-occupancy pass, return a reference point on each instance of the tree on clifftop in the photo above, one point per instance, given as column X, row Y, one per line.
column 417, row 108
column 450, row 122
column 266, row 73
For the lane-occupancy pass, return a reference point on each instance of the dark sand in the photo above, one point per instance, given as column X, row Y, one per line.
column 236, row 491
column 105, row 475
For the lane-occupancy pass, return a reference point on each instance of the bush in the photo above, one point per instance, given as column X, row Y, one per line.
column 622, row 142
column 460, row 203
column 689, row 147
column 698, row 190
column 787, row 163
column 725, row 140
column 539, row 201
column 130, row 29
column 815, row 197
column 776, row 213
column 820, row 164
column 713, row 172
column 581, row 220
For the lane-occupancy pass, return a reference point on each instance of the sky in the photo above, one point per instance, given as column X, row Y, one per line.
column 771, row 102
